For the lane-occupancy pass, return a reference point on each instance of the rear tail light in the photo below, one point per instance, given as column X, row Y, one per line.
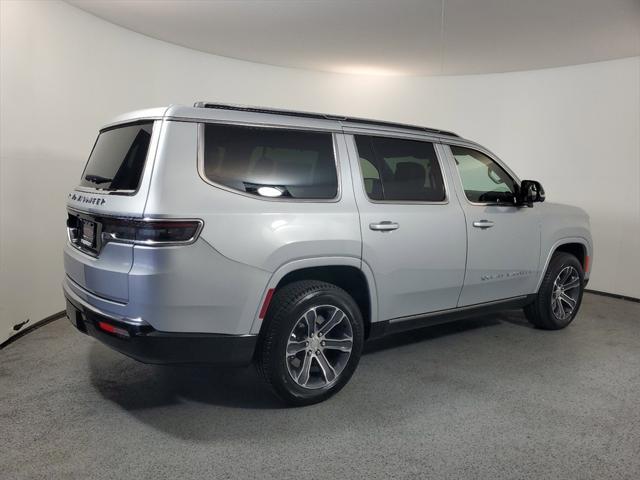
column 150, row 232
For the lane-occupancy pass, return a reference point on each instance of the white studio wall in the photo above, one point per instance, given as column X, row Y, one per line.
column 65, row 72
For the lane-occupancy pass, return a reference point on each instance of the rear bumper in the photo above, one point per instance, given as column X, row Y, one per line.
column 190, row 288
column 139, row 340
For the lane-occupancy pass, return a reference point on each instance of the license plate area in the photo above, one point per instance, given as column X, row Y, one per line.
column 84, row 232
column 87, row 233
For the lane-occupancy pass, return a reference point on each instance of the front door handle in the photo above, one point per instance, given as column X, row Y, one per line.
column 385, row 226
column 483, row 224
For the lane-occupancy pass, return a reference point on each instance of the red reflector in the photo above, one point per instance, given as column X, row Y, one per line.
column 586, row 263
column 107, row 327
column 267, row 301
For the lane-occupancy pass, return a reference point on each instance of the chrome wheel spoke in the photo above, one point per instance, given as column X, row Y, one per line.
column 305, row 371
column 310, row 320
column 344, row 345
column 328, row 325
column 327, row 370
column 560, row 308
column 573, row 283
column 295, row 347
column 568, row 300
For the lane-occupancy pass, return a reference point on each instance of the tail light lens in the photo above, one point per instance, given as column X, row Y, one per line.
column 150, row 232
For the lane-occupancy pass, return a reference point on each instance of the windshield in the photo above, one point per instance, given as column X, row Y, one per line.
column 117, row 159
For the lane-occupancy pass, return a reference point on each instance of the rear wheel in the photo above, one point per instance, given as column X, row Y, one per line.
column 560, row 293
column 312, row 341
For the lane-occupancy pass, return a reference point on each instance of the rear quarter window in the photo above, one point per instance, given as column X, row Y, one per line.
column 270, row 162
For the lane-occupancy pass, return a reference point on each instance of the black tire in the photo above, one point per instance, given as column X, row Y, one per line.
column 541, row 312
column 287, row 307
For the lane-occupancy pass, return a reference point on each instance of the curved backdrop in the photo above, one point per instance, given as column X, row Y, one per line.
column 65, row 72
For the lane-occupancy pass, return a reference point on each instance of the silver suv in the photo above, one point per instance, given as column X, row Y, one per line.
column 228, row 234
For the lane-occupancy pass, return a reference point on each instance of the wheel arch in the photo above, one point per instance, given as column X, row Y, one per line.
column 348, row 273
column 578, row 250
column 577, row 246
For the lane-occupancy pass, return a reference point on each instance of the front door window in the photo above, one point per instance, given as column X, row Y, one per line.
column 483, row 180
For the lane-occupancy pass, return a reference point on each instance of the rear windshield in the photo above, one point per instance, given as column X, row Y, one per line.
column 271, row 162
column 118, row 157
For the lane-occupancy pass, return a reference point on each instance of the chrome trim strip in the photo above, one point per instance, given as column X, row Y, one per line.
column 74, row 298
column 154, row 243
column 89, row 293
column 104, row 239
column 97, row 191
column 456, row 309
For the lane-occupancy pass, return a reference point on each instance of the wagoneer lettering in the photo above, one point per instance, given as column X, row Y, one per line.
column 85, row 199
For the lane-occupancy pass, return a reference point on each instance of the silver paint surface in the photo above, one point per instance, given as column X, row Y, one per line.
column 434, row 260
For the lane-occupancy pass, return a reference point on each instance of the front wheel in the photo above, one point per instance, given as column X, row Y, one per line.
column 312, row 341
column 560, row 293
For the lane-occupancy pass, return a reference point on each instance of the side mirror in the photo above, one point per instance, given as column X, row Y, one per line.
column 530, row 191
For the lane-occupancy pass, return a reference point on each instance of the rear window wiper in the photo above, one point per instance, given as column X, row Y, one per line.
column 97, row 179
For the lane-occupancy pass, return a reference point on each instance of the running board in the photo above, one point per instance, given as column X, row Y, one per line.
column 402, row 324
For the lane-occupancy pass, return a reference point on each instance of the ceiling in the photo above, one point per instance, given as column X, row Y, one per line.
column 390, row 37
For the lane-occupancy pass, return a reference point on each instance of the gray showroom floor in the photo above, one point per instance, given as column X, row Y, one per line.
column 483, row 398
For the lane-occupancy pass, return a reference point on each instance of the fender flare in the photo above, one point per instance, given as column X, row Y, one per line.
column 563, row 241
column 299, row 264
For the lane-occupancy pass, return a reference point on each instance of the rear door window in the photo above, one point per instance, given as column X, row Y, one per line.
column 271, row 162
column 396, row 169
column 118, row 158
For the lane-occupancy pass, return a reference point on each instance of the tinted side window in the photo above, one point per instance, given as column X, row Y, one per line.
column 400, row 170
column 483, row 179
column 271, row 162
column 118, row 157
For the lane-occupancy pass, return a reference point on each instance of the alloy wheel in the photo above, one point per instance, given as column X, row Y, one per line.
column 319, row 347
column 565, row 293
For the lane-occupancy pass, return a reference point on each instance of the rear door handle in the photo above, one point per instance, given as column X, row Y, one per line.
column 385, row 226
column 483, row 224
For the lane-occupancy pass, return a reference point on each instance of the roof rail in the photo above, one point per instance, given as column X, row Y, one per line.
column 343, row 118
